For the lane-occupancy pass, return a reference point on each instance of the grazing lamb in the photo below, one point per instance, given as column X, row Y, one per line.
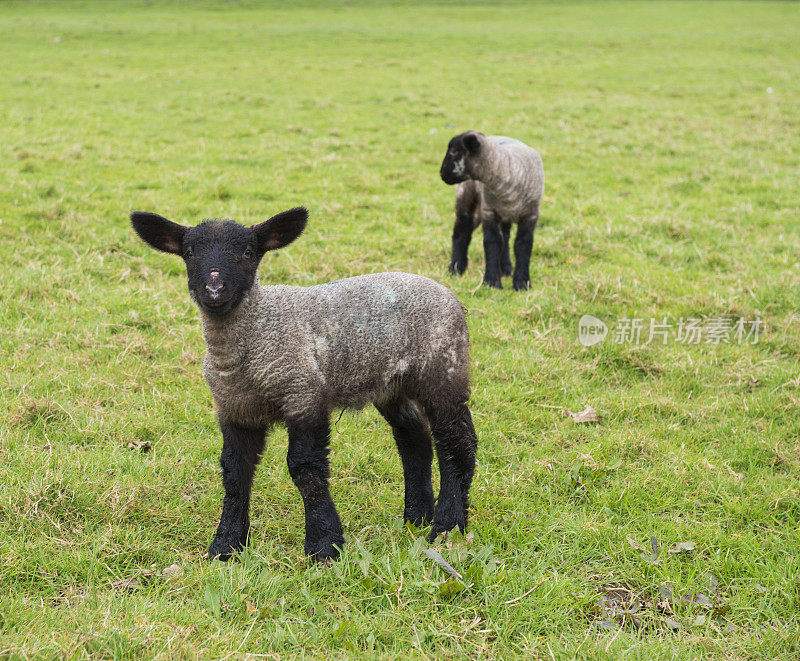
column 500, row 182
column 292, row 354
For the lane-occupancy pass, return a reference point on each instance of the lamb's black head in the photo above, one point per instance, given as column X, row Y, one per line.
column 455, row 167
column 221, row 257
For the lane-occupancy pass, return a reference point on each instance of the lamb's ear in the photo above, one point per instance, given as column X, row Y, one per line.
column 281, row 229
column 472, row 143
column 159, row 232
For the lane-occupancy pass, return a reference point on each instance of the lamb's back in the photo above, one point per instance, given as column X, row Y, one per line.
column 521, row 186
column 357, row 338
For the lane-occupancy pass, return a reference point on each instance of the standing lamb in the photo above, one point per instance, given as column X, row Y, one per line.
column 292, row 354
column 500, row 182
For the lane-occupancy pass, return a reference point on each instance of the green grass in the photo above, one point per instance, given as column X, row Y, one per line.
column 672, row 191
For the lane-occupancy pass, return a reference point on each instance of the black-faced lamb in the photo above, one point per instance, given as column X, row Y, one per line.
column 500, row 182
column 282, row 354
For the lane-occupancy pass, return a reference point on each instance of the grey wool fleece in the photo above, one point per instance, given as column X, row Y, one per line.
column 509, row 177
column 286, row 352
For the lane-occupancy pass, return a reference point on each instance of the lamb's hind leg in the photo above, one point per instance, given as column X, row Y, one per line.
column 505, row 257
column 456, row 443
column 414, row 445
column 523, row 244
column 308, row 465
column 493, row 248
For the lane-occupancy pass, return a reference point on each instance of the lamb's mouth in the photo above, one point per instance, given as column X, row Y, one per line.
column 216, row 307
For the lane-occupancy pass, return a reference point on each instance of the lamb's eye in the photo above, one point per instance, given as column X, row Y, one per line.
column 188, row 252
column 248, row 253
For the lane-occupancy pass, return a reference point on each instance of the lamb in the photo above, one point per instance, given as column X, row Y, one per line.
column 290, row 355
column 500, row 182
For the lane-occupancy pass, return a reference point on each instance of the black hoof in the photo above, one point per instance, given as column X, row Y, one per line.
column 440, row 528
column 418, row 519
column 223, row 551
column 325, row 550
column 437, row 532
column 227, row 542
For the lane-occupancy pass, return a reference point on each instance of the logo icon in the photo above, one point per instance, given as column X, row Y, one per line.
column 591, row 330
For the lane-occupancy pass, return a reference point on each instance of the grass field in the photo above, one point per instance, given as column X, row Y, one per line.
column 670, row 142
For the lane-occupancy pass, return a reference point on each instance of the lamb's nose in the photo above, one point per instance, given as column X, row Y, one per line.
column 216, row 285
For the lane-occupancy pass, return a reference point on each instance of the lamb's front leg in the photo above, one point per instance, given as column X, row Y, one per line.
column 241, row 450
column 308, row 465
column 462, row 235
column 467, row 200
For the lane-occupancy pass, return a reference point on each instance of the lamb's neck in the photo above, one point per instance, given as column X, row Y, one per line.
column 492, row 167
column 228, row 336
